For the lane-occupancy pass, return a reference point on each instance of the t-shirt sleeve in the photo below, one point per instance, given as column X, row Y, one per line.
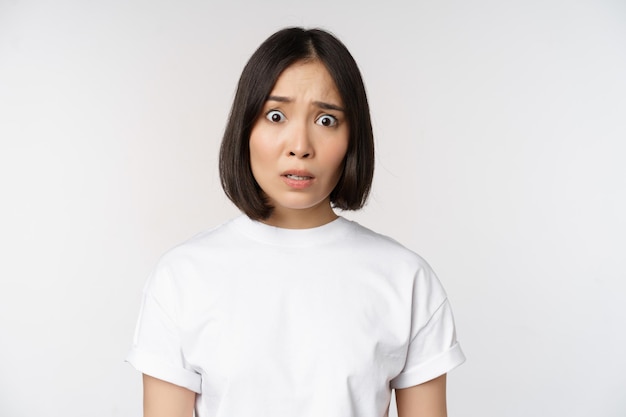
column 433, row 349
column 157, row 349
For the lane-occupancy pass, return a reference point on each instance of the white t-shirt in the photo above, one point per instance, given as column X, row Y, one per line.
column 263, row 321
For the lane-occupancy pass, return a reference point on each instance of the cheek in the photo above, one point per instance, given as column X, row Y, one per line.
column 336, row 158
column 341, row 149
column 339, row 156
column 259, row 148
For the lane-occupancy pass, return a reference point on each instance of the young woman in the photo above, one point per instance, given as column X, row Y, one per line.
column 290, row 310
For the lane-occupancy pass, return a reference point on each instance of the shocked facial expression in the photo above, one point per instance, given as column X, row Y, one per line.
column 298, row 144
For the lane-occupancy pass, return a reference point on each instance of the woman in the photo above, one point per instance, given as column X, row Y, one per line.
column 290, row 310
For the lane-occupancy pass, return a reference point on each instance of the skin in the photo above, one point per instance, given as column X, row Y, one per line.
column 424, row 400
column 301, row 129
column 162, row 399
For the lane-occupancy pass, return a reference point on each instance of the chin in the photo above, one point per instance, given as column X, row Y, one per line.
column 300, row 204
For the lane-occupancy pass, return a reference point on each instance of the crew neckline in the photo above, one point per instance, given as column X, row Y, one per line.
column 279, row 236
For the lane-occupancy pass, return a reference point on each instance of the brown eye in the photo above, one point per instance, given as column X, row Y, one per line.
column 275, row 116
column 326, row 120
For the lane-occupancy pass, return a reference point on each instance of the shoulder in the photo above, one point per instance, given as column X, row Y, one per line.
column 384, row 246
column 191, row 258
column 382, row 252
column 201, row 245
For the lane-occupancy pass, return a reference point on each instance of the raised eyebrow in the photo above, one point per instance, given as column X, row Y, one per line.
column 320, row 104
column 280, row 99
column 329, row 106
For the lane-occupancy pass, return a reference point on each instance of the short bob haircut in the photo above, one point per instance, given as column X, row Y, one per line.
column 278, row 52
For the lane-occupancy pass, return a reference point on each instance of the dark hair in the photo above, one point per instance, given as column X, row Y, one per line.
column 278, row 52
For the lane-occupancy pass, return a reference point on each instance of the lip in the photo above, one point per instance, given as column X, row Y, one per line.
column 305, row 180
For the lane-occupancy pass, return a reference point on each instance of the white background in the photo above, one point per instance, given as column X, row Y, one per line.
column 501, row 139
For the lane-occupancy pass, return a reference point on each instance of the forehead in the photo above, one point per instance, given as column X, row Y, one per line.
column 307, row 79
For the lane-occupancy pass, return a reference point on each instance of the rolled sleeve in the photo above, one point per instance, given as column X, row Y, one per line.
column 432, row 352
column 157, row 349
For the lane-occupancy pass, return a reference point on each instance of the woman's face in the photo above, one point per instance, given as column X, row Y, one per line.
column 298, row 145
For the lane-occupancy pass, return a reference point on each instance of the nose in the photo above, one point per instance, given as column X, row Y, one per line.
column 299, row 144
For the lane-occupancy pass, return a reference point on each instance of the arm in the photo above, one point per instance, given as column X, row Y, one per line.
column 163, row 399
column 424, row 400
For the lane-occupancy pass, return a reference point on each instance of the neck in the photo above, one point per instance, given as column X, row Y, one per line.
column 301, row 218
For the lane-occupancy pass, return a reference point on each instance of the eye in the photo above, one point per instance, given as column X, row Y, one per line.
column 326, row 120
column 275, row 116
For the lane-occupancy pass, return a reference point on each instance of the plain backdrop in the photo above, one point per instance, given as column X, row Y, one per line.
column 501, row 145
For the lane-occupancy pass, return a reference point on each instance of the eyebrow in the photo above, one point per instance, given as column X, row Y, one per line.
column 320, row 104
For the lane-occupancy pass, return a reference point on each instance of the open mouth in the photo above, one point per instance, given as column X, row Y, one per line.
column 297, row 177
